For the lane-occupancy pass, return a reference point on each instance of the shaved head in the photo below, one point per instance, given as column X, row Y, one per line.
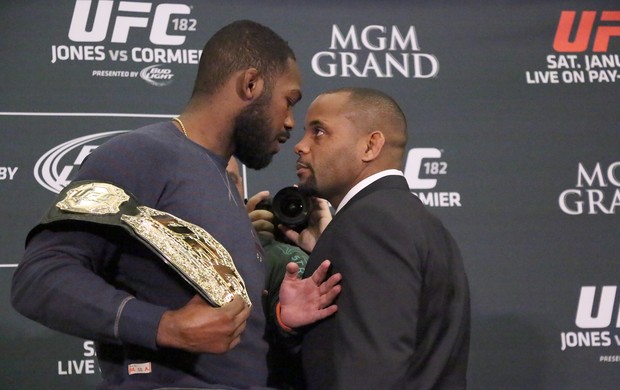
column 373, row 110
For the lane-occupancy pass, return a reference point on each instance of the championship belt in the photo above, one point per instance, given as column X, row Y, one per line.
column 187, row 248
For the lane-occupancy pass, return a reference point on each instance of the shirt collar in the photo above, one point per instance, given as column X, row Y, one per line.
column 365, row 183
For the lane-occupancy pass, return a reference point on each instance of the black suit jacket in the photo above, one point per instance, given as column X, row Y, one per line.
column 403, row 317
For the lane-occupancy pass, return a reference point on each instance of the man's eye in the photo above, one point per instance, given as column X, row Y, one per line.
column 318, row 132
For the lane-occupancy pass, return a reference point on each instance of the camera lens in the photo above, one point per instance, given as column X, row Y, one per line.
column 291, row 207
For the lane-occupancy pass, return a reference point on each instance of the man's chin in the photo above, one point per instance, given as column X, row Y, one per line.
column 307, row 189
column 256, row 163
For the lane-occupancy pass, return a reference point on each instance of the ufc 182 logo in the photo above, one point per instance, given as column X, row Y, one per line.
column 424, row 162
column 595, row 322
column 130, row 15
column 422, row 168
column 596, row 27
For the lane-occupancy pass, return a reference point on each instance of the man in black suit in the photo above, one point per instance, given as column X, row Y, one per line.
column 403, row 317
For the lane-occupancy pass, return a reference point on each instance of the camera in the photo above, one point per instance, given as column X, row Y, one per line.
column 290, row 207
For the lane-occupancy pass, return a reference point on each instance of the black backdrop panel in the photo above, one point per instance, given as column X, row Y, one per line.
column 514, row 142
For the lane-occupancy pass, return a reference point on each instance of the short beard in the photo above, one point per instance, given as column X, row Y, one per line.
column 252, row 134
column 309, row 187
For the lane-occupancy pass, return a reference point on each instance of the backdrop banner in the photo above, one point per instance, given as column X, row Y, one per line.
column 514, row 122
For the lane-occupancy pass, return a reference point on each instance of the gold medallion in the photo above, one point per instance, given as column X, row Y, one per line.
column 93, row 198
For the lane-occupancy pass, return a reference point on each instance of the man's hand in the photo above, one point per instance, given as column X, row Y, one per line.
column 201, row 328
column 262, row 220
column 305, row 301
column 320, row 217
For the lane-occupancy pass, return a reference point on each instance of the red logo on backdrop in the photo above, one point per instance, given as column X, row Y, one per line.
column 593, row 26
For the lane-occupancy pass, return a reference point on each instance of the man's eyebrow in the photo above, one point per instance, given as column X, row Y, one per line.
column 315, row 122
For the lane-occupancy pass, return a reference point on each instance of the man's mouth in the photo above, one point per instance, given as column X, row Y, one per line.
column 301, row 167
column 283, row 137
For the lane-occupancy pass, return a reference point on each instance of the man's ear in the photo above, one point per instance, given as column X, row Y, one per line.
column 374, row 145
column 250, row 84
